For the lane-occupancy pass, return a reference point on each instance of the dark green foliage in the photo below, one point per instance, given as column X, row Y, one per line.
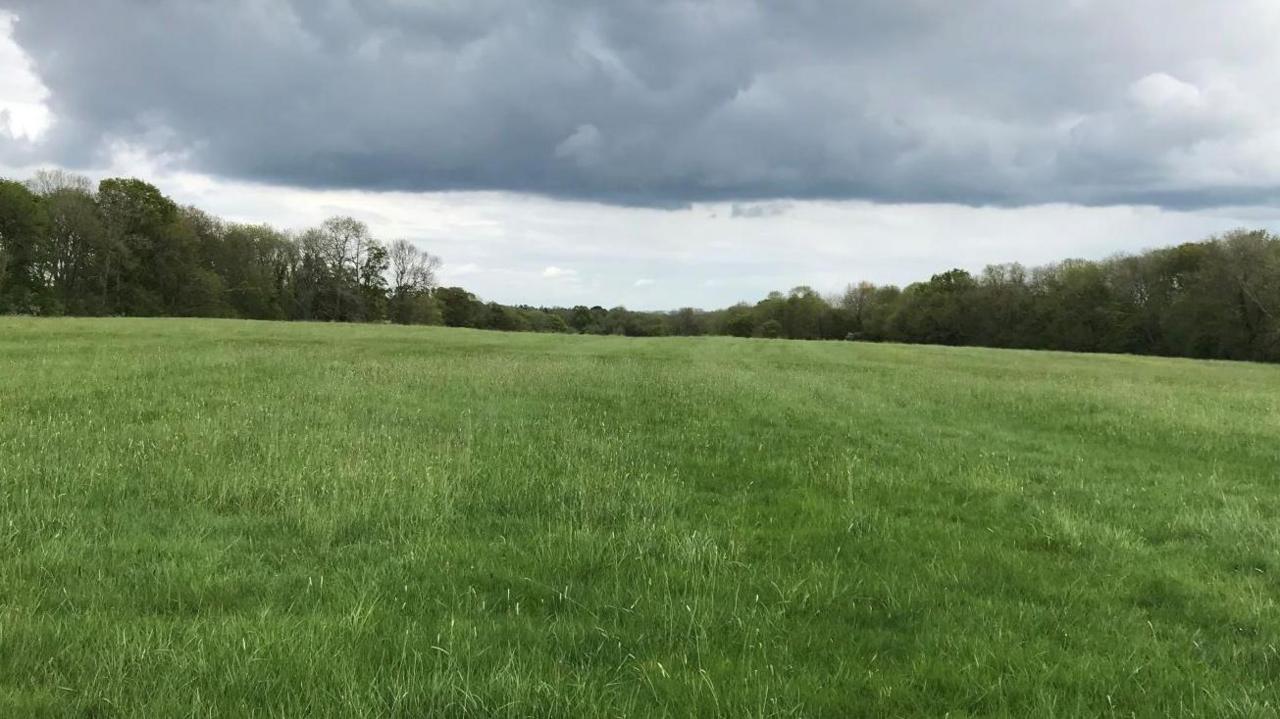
column 738, row 322
column 769, row 329
column 23, row 223
column 497, row 317
column 415, row 309
column 459, row 307
column 1214, row 299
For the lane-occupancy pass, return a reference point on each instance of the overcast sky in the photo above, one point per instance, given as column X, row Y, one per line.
column 661, row 154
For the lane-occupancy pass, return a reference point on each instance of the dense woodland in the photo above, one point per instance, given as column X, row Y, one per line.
column 123, row 248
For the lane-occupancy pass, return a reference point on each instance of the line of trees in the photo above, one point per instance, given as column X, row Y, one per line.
column 123, row 248
column 126, row 249
column 1219, row 298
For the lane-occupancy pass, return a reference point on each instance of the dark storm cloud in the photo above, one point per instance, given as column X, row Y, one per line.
column 664, row 103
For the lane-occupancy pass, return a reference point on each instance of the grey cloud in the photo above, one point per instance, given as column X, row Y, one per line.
column 667, row 102
column 755, row 210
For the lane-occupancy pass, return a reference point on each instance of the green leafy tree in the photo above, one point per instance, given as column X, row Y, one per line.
column 458, row 307
column 74, row 261
column 940, row 311
column 738, row 321
column 23, row 225
column 146, row 255
column 687, row 321
column 802, row 313
column 770, row 329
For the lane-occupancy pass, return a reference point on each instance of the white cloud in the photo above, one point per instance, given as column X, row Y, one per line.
column 1159, row 91
column 643, row 282
column 553, row 272
column 24, row 112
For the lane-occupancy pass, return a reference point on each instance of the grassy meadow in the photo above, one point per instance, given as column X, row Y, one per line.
column 205, row 518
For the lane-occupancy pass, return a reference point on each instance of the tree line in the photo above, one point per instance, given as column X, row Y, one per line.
column 123, row 248
column 1219, row 298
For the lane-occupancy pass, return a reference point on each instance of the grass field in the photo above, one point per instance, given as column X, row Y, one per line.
column 217, row 518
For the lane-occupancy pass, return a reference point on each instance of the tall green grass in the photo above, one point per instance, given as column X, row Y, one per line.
column 216, row 518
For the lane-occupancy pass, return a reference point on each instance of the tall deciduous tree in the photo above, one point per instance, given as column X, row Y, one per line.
column 413, row 276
